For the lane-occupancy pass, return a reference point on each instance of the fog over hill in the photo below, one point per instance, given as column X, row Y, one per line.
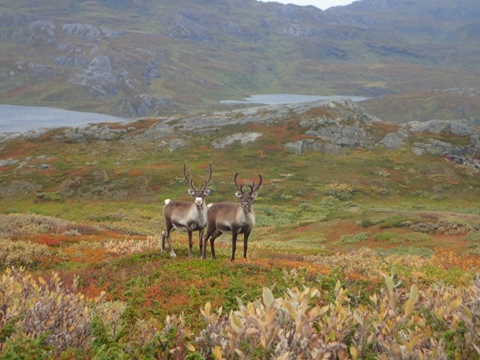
column 135, row 58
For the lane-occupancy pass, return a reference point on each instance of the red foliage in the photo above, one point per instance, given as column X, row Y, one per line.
column 51, row 240
column 135, row 172
column 274, row 147
column 92, row 290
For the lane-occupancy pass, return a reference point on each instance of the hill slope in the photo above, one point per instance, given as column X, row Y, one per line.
column 366, row 213
column 134, row 58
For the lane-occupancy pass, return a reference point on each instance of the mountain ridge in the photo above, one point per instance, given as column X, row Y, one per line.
column 138, row 58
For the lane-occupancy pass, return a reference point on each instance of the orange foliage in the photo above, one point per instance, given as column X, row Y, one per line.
column 89, row 256
column 204, row 149
column 447, row 259
column 48, row 262
column 286, row 264
column 355, row 276
column 273, row 147
column 154, row 293
column 261, row 154
column 93, row 291
column 51, row 240
column 135, row 172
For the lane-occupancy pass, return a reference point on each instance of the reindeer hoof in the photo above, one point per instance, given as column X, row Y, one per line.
column 173, row 255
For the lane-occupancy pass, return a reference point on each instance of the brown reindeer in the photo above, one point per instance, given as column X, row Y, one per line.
column 185, row 215
column 237, row 218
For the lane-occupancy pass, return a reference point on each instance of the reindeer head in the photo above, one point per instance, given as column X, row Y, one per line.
column 198, row 194
column 246, row 197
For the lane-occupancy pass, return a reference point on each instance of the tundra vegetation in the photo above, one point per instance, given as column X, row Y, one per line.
column 371, row 254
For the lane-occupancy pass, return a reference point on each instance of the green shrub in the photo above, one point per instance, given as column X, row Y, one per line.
column 26, row 348
column 473, row 236
column 353, row 238
column 414, row 237
column 339, row 191
column 49, row 196
column 385, row 237
column 393, row 222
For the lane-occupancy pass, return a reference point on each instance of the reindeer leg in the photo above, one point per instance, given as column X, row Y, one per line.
column 215, row 234
column 200, row 241
column 234, row 245
column 205, row 242
column 190, row 243
column 168, row 232
column 164, row 234
column 245, row 244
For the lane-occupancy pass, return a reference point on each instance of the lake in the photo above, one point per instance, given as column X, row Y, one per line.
column 273, row 99
column 15, row 118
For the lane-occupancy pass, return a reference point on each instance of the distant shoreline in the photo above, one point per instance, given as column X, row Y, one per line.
column 18, row 118
column 276, row 99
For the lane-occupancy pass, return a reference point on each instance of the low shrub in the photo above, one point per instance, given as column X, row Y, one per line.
column 353, row 238
column 27, row 224
column 130, row 246
column 339, row 191
column 22, row 253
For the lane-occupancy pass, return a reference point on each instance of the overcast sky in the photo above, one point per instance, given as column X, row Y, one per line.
column 322, row 4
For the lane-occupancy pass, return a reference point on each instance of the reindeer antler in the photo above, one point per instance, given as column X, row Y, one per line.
column 253, row 188
column 189, row 180
column 239, row 188
column 209, row 176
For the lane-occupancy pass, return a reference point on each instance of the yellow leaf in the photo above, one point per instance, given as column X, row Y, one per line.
column 217, row 353
column 236, row 324
column 191, row 348
column 353, row 352
column 358, row 318
column 208, row 308
column 240, row 353
column 263, row 341
column 455, row 303
column 270, row 316
column 414, row 292
column 268, row 297
column 409, row 306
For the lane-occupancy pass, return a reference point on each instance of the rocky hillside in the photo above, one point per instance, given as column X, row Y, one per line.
column 136, row 58
column 101, row 160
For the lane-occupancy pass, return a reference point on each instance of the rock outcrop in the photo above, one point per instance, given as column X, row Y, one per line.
column 334, row 127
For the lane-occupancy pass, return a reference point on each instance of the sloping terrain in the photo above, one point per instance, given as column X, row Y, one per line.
column 310, row 154
column 137, row 58
column 367, row 218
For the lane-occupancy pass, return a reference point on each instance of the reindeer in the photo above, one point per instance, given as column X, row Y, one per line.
column 185, row 215
column 232, row 217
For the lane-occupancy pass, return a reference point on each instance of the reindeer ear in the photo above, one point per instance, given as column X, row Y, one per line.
column 206, row 192
column 238, row 194
column 254, row 195
column 191, row 192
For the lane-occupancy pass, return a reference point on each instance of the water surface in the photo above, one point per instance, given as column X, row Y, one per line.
column 15, row 118
column 273, row 99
